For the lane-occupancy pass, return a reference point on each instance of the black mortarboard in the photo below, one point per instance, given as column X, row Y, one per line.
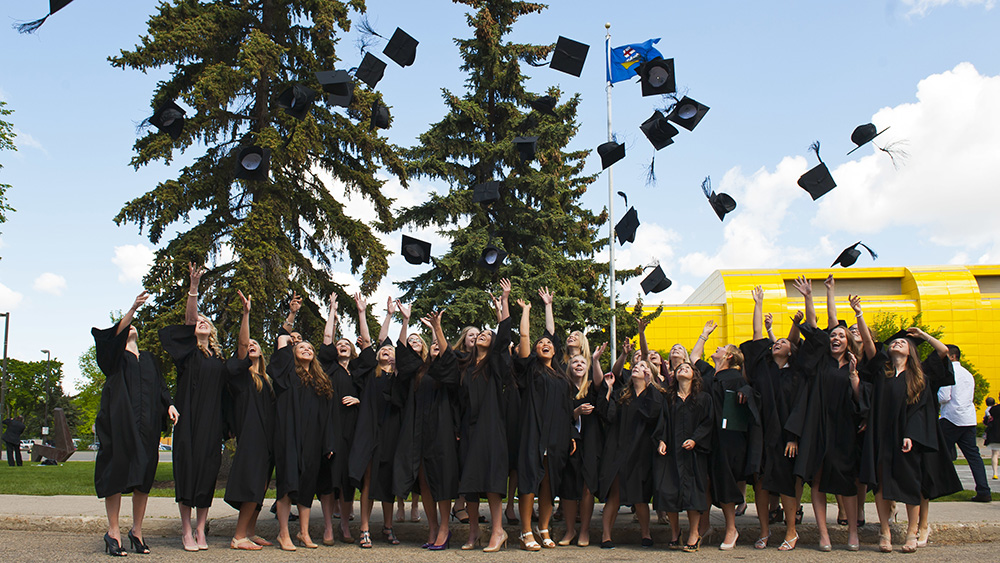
column 569, row 56
column 297, row 100
column 863, row 134
column 525, row 147
column 169, row 119
column 492, row 258
column 486, row 193
column 54, row 6
column 416, row 251
column 380, row 116
column 544, row 104
column 688, row 113
column 722, row 203
column 338, row 86
column 658, row 130
column 817, row 181
column 655, row 282
column 371, row 70
column 252, row 163
column 850, row 255
column 657, row 77
column 625, row 229
column 402, row 48
column 913, row 340
column 611, row 152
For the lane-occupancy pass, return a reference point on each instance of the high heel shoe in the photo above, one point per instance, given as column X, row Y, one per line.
column 472, row 543
column 365, row 540
column 499, row 546
column 885, row 543
column 441, row 547
column 546, row 541
column 112, row 547
column 911, row 544
column 787, row 545
column 926, row 535
column 307, row 544
column 761, row 542
column 529, row 545
column 692, row 547
column 140, row 547
column 564, row 542
column 390, row 536
column 729, row 546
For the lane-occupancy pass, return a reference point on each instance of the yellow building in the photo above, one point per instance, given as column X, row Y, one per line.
column 964, row 300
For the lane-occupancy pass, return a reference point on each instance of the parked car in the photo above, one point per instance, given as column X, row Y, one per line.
column 94, row 447
column 165, row 447
column 26, row 445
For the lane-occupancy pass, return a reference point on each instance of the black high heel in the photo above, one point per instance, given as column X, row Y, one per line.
column 137, row 544
column 112, row 547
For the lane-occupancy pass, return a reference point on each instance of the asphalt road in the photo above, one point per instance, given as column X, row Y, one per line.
column 49, row 546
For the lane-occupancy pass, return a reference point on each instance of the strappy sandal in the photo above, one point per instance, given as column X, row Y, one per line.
column 885, row 543
column 761, row 542
column 692, row 547
column 390, row 536
column 529, row 544
column 365, row 541
column 546, row 541
column 911, row 544
column 244, row 543
column 789, row 545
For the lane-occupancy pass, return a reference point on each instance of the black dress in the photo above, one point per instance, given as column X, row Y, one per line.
column 628, row 444
column 304, row 431
column 832, row 418
column 197, row 447
column 782, row 393
column 583, row 466
column 134, row 403
column 376, row 434
column 254, row 417
column 427, row 431
column 547, row 428
column 345, row 417
column 483, row 444
column 681, row 476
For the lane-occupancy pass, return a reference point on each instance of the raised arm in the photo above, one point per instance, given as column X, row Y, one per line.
column 130, row 314
column 940, row 348
column 550, row 319
column 699, row 347
column 767, row 326
column 434, row 320
column 597, row 375
column 758, row 312
column 867, row 343
column 293, row 310
column 616, row 369
column 505, row 286
column 642, row 338
column 831, row 302
column 524, row 345
column 364, row 334
column 805, row 287
column 793, row 333
column 383, row 331
column 195, row 272
column 243, row 344
column 404, row 310
column 330, row 330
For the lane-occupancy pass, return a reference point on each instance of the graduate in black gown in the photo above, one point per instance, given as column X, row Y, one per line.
column 197, row 448
column 547, row 431
column 304, row 432
column 135, row 402
column 426, row 459
column 483, row 437
column 254, row 415
column 684, row 436
column 375, row 437
column 463, row 346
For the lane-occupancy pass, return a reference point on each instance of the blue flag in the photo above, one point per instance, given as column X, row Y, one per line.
column 625, row 60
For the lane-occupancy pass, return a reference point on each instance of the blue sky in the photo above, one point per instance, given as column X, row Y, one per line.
column 777, row 76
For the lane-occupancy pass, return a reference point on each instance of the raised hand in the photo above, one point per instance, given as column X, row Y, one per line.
column 768, row 321
column 505, row 286
column 828, row 282
column 524, row 304
column 803, row 285
column 296, row 303
column 546, row 295
column 404, row 309
column 333, row 302
column 495, row 302
column 797, row 317
column 245, row 300
column 597, row 353
column 855, row 304
column 758, row 295
column 361, row 302
column 390, row 306
column 914, row 331
column 710, row 327
column 627, row 348
column 140, row 300
column 643, row 323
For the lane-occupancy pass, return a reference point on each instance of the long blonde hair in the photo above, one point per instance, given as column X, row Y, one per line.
column 459, row 345
column 584, row 348
column 213, row 340
column 585, row 386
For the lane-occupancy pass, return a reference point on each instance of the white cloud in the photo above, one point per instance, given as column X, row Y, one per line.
column 922, row 7
column 133, row 261
column 24, row 140
column 9, row 299
column 50, row 283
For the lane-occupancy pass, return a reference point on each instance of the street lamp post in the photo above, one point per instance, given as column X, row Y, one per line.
column 48, row 393
column 3, row 376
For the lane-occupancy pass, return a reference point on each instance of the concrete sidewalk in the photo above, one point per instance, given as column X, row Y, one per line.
column 952, row 522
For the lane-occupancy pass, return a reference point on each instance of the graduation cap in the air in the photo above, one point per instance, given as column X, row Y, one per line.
column 626, row 227
column 486, row 193
column 569, row 56
column 380, row 116
column 722, row 203
column 688, row 113
column 817, row 181
column 657, row 77
column 658, row 130
column 611, row 152
column 169, row 119
column 371, row 70
column 338, row 86
column 252, row 163
column 850, row 255
column 656, row 281
column 415, row 251
column 525, row 147
column 297, row 100
column 544, row 104
column 54, row 6
column 864, row 134
column 402, row 48
column 492, row 257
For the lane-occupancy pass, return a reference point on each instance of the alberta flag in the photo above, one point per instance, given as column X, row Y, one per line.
column 627, row 58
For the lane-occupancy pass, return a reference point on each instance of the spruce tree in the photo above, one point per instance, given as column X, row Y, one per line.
column 229, row 61
column 539, row 220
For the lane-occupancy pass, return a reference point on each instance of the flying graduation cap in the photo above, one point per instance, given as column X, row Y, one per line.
column 338, row 87
column 611, row 152
column 569, row 56
column 688, row 113
column 492, row 258
column 486, row 193
column 54, row 6
column 525, row 148
column 415, row 251
column 626, row 227
column 297, row 100
column 402, row 48
column 169, row 119
column 657, row 77
column 544, row 104
column 850, row 255
column 371, row 70
column 252, row 163
column 817, row 180
column 380, row 116
column 864, row 134
column 656, row 281
column 658, row 130
column 722, row 203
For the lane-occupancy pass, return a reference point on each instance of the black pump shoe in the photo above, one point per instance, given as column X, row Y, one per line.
column 112, row 547
column 137, row 544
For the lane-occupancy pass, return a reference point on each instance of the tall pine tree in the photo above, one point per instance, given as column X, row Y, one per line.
column 230, row 60
column 551, row 239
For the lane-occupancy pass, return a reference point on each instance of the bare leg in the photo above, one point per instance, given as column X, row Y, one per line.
column 201, row 518
column 912, row 520
column 729, row 513
column 642, row 511
column 401, row 509
column 247, row 511
column 851, row 510
column 497, row 534
column 611, row 507
column 586, row 514
column 819, row 509
column 791, row 506
column 113, row 505
column 387, row 519
column 884, row 509
column 511, row 489
column 304, row 524
column 545, row 506
column 923, row 523
column 570, row 508
column 187, row 536
column 995, row 457
column 525, row 505
column 326, row 503
column 346, row 509
column 675, row 526
column 252, row 525
column 429, row 508
column 694, row 523
column 762, row 500
column 704, row 521
column 415, row 507
column 473, row 522
column 366, row 504
column 139, row 501
column 284, row 507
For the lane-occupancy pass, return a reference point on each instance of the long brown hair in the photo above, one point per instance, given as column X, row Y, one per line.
column 915, row 383
column 313, row 376
column 673, row 387
column 628, row 392
column 258, row 371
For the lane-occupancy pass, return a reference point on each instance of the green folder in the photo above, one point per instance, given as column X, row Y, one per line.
column 735, row 417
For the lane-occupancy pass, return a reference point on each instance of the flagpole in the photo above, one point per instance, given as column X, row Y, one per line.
column 611, row 201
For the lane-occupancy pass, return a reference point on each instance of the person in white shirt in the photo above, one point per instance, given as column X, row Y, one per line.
column 958, row 422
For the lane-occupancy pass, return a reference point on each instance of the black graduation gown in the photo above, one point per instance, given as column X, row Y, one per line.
column 628, row 445
column 483, row 430
column 583, row 466
column 345, row 417
column 831, row 419
column 254, row 418
column 681, row 476
column 134, row 403
column 304, row 431
column 376, row 434
column 992, row 423
column 547, row 428
column 905, row 477
column 198, row 434
column 781, row 392
column 427, row 431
